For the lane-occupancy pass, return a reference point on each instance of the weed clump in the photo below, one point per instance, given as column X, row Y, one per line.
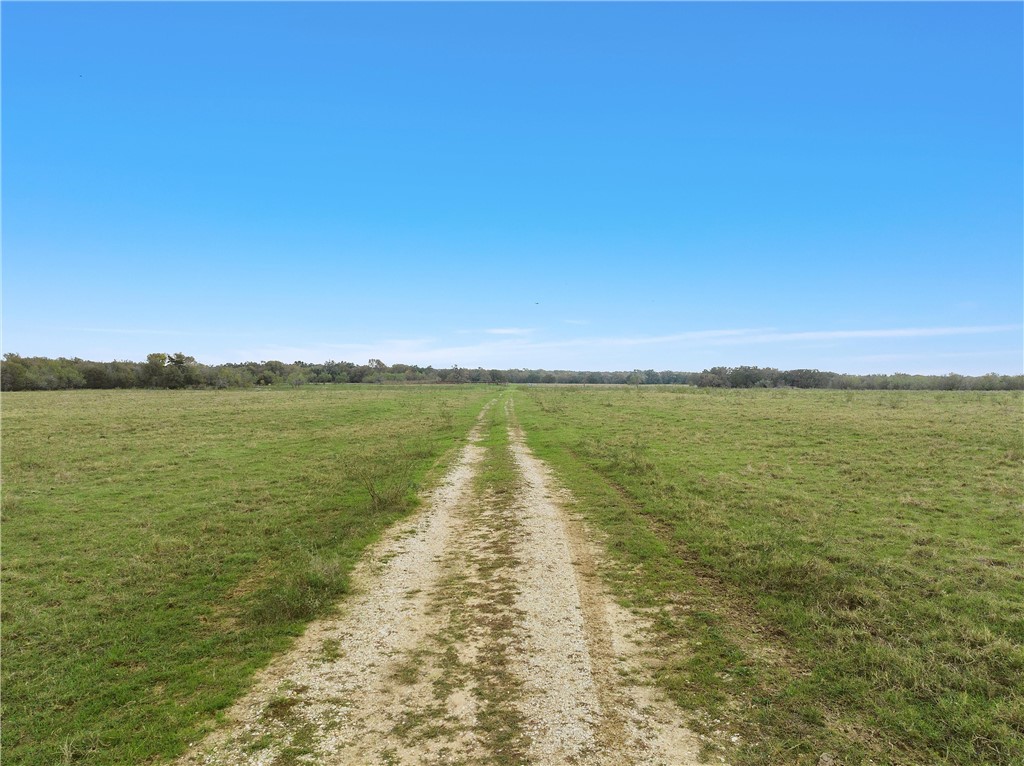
column 387, row 479
column 310, row 584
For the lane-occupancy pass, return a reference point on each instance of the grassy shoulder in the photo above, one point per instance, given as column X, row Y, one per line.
column 500, row 725
column 831, row 572
column 159, row 547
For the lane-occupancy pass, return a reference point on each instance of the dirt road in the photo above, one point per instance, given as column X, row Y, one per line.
column 478, row 632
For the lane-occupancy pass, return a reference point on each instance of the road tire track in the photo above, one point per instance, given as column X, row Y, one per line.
column 477, row 632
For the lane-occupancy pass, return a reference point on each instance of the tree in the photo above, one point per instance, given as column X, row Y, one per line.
column 713, row 378
column 153, row 370
column 182, row 370
column 13, row 373
column 180, row 360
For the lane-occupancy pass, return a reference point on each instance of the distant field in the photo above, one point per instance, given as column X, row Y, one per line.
column 830, row 572
column 160, row 546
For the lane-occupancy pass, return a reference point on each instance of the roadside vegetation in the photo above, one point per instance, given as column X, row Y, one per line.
column 159, row 547
column 828, row 572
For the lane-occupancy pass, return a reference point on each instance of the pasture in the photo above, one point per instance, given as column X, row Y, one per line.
column 826, row 572
column 159, row 547
column 837, row 572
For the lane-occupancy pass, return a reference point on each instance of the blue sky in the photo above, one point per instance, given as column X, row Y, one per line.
column 580, row 186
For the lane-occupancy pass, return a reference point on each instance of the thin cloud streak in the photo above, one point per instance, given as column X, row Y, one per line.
column 127, row 331
column 158, row 333
column 908, row 332
column 991, row 354
column 515, row 351
column 768, row 335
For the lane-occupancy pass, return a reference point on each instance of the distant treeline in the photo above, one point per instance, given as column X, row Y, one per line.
column 18, row 373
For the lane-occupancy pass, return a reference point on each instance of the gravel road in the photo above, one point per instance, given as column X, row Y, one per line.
column 477, row 632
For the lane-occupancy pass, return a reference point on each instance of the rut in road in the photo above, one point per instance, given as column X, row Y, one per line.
column 477, row 632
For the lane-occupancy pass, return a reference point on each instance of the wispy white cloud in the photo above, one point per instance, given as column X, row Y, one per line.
column 752, row 336
column 162, row 332
column 1008, row 361
column 989, row 354
column 701, row 337
column 523, row 349
column 125, row 331
column 509, row 331
column 693, row 336
column 904, row 332
column 393, row 350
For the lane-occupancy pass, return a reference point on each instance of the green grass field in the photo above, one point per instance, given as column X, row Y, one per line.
column 836, row 572
column 161, row 546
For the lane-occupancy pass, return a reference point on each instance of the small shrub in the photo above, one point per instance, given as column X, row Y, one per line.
column 387, row 480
